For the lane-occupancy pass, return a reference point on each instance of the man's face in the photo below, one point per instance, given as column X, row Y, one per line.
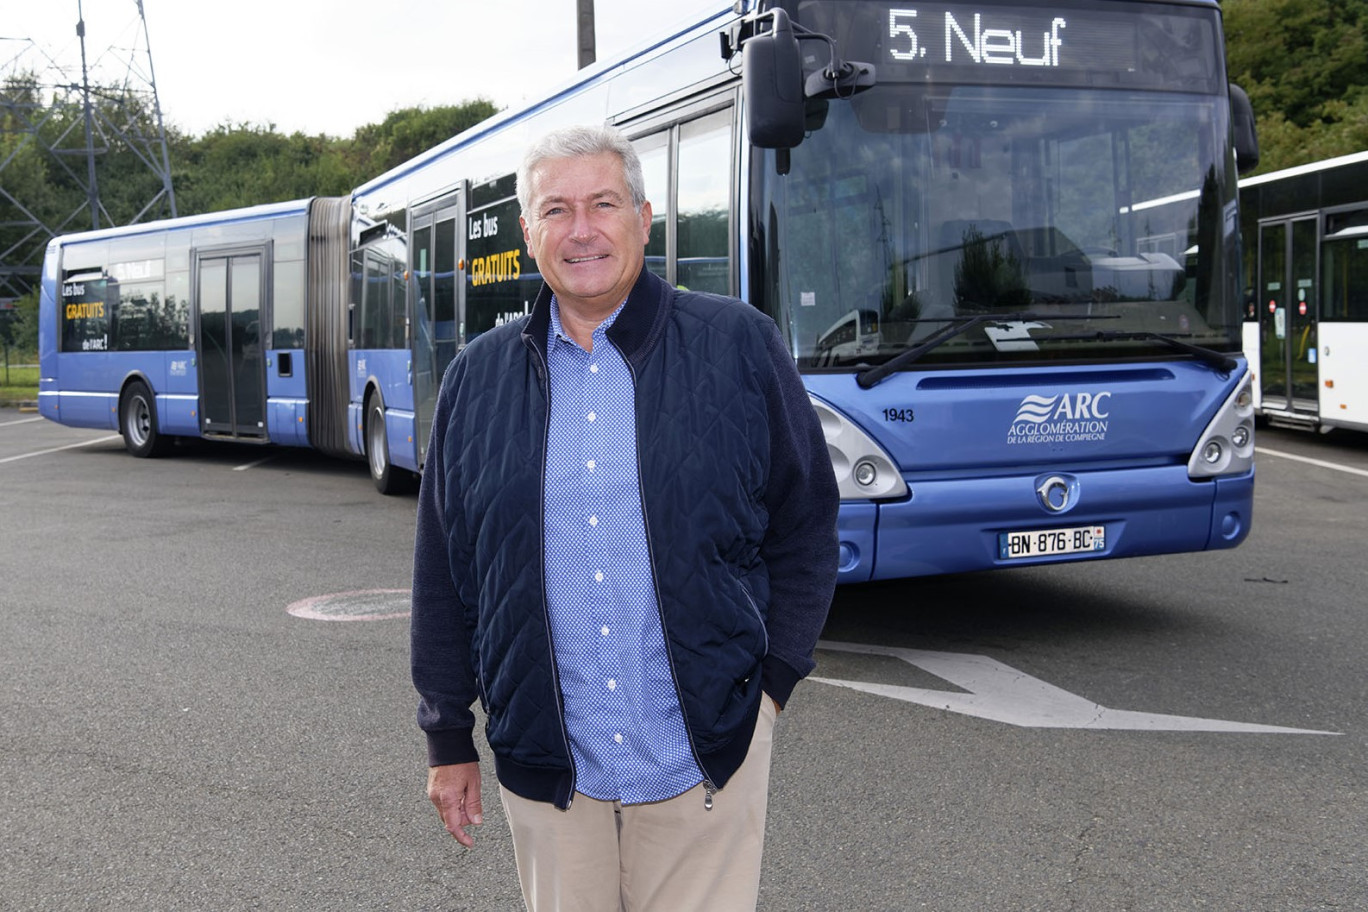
column 584, row 234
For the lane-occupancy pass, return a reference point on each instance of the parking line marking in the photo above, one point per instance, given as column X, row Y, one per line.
column 1315, row 462
column 252, row 465
column 70, row 446
column 1000, row 693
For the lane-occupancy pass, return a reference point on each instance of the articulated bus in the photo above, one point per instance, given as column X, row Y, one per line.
column 1000, row 238
column 1306, row 309
column 196, row 327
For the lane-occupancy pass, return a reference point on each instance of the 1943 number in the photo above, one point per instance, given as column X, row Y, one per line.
column 898, row 414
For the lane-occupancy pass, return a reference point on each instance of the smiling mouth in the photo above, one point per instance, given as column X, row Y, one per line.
column 587, row 259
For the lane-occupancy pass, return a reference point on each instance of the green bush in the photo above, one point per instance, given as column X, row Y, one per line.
column 18, row 384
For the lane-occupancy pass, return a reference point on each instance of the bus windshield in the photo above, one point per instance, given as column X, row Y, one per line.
column 1090, row 219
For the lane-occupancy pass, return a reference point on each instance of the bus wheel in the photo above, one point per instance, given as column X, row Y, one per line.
column 388, row 479
column 138, row 423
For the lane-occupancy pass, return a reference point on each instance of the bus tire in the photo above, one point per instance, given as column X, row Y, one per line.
column 138, row 423
column 387, row 478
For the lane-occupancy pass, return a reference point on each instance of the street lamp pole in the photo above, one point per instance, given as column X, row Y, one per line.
column 585, row 18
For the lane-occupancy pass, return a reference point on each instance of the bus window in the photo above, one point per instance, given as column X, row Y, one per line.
column 502, row 280
column 380, row 306
column 703, row 204
column 373, row 321
column 84, row 312
column 654, row 152
column 287, row 303
column 1344, row 265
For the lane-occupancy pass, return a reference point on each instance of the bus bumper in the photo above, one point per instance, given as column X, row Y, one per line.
column 938, row 529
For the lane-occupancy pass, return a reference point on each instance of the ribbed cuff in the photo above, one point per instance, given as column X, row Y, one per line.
column 778, row 680
column 451, row 746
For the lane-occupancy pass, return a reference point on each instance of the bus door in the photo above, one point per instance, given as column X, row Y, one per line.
column 1287, row 318
column 436, row 302
column 230, row 316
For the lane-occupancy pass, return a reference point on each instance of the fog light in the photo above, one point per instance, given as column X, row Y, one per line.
column 1240, row 436
column 1212, row 452
column 866, row 473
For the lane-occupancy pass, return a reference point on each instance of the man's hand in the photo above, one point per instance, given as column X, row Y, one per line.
column 455, row 790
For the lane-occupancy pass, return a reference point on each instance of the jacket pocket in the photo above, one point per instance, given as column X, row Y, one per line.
column 754, row 612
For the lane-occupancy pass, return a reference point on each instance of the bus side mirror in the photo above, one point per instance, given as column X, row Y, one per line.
column 1246, row 134
column 772, row 79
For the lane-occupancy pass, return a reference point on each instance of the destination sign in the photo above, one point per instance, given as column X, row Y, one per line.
column 1063, row 43
column 973, row 41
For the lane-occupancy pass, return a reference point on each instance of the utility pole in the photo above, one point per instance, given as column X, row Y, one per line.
column 55, row 115
column 585, row 18
column 92, row 185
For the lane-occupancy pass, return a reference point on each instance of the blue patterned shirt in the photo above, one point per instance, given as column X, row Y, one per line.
column 622, row 711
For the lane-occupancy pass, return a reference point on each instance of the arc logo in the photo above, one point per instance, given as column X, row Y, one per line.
column 1063, row 418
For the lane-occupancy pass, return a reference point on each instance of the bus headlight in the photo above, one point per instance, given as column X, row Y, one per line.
column 864, row 471
column 1226, row 447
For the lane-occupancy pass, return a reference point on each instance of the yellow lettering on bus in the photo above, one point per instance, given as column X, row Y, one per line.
column 497, row 267
column 85, row 311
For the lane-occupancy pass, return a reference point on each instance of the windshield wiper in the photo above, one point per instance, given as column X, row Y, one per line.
column 955, row 326
column 1219, row 360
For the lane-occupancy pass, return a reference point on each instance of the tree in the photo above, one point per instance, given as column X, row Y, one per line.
column 407, row 132
column 19, row 325
column 231, row 167
column 1304, row 64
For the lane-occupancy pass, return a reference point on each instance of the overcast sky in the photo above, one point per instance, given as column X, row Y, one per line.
column 330, row 66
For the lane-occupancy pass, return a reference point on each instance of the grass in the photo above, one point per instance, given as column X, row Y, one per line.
column 18, row 384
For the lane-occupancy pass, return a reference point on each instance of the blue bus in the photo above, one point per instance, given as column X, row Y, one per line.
column 1001, row 239
column 232, row 326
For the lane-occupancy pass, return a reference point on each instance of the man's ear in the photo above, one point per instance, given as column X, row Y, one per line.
column 527, row 237
column 645, row 223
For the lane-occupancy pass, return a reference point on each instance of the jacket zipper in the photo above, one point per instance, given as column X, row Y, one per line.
column 544, row 376
column 709, row 789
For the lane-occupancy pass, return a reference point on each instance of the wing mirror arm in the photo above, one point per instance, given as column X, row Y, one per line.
column 772, row 80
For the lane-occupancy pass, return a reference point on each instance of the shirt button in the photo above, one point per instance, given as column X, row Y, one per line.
column 591, row 416
column 598, row 577
column 618, row 738
column 589, row 465
column 593, row 368
column 612, row 685
column 593, row 520
column 604, row 631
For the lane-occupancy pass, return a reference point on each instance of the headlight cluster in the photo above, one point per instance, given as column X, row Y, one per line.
column 1226, row 447
column 863, row 470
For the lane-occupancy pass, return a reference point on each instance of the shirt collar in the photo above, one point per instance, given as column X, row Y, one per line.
column 558, row 330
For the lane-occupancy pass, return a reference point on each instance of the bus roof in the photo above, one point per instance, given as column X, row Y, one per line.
column 247, row 214
column 580, row 80
column 1310, row 168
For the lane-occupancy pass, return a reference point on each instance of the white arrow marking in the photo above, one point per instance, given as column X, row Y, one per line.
column 1003, row 694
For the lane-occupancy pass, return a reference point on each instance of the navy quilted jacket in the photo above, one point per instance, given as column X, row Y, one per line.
column 740, row 503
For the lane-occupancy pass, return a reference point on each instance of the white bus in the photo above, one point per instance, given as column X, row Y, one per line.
column 1306, row 305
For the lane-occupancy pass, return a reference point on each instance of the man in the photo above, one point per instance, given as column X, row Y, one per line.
column 625, row 550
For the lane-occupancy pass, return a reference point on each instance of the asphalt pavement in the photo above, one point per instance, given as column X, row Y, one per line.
column 206, row 707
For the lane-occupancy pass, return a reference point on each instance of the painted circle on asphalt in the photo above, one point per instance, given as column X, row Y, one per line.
column 360, row 605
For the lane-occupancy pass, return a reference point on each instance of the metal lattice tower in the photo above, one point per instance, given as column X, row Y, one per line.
column 69, row 116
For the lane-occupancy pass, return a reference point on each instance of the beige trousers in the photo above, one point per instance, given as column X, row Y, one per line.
column 666, row 856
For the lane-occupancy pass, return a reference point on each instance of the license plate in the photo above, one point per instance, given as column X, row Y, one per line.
column 1050, row 542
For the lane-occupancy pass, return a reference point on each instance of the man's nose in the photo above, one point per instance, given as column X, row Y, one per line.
column 582, row 225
